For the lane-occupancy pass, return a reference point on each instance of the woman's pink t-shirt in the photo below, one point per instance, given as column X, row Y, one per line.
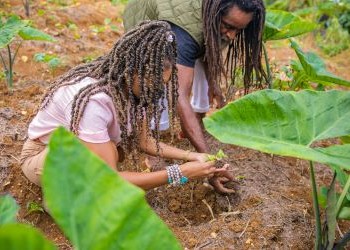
column 98, row 124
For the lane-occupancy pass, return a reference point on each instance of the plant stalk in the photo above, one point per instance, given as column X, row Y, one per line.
column 318, row 240
column 15, row 54
column 26, row 7
column 268, row 69
column 342, row 196
column 10, row 72
column 3, row 62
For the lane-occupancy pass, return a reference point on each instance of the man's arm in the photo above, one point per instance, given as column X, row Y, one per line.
column 189, row 122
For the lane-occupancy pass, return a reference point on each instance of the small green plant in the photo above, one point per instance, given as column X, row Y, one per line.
column 220, row 155
column 41, row 12
column 10, row 29
column 107, row 25
column 88, row 58
column 97, row 28
column 282, row 25
column 51, row 60
column 33, row 207
column 334, row 39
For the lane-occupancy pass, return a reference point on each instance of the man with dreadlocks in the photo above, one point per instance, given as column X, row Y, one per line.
column 203, row 28
column 111, row 101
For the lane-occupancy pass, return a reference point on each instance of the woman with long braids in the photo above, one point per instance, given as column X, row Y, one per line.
column 111, row 101
column 205, row 29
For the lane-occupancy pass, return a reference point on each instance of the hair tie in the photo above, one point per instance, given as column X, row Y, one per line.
column 170, row 38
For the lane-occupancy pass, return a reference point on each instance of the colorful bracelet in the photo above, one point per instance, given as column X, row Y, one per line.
column 175, row 176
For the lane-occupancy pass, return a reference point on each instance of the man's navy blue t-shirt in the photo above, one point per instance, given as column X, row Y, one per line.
column 188, row 50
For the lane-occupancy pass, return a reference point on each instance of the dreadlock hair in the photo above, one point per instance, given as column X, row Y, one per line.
column 245, row 49
column 143, row 53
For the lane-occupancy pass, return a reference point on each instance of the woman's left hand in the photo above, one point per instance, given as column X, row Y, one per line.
column 201, row 157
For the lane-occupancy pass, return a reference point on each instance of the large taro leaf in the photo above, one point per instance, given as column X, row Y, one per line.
column 282, row 24
column 10, row 29
column 29, row 33
column 8, row 209
column 20, row 236
column 93, row 205
column 287, row 123
column 315, row 68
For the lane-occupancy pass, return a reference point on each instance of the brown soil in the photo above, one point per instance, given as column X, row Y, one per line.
column 272, row 208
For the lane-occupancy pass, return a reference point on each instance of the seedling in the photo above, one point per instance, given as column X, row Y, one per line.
column 220, row 155
column 97, row 28
column 51, row 60
column 32, row 207
column 240, row 177
column 88, row 58
column 10, row 29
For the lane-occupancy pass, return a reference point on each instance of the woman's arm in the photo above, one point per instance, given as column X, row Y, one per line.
column 148, row 145
column 192, row 170
column 107, row 151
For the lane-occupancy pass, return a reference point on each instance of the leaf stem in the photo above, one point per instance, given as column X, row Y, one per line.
column 15, row 54
column 10, row 73
column 267, row 66
column 318, row 239
column 3, row 62
column 342, row 196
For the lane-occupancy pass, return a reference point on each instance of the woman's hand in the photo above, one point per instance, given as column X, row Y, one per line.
column 196, row 169
column 194, row 156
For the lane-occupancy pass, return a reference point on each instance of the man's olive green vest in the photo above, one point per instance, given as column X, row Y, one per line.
column 184, row 13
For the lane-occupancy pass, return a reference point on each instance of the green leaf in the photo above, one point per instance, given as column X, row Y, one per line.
column 33, row 207
column 40, row 57
column 93, row 205
column 54, row 63
column 315, row 68
column 20, row 236
column 287, row 123
column 29, row 33
column 322, row 197
column 344, row 213
column 218, row 156
column 331, row 214
column 345, row 139
column 10, row 29
column 282, row 24
column 8, row 209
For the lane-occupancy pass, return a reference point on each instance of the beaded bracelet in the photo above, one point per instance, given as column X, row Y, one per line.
column 175, row 176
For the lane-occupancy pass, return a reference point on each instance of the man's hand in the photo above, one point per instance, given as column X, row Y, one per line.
column 215, row 93
column 219, row 179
